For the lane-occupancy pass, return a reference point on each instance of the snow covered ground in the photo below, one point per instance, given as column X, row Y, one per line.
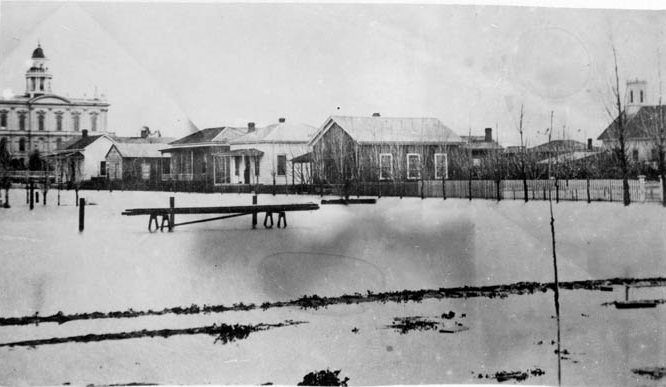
column 115, row 264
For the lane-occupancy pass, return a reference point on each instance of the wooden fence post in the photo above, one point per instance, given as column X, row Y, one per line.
column 82, row 213
column 172, row 215
column 589, row 200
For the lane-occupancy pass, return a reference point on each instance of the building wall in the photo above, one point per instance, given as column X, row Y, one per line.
column 47, row 140
column 643, row 146
column 268, row 163
column 337, row 157
column 94, row 154
column 114, row 165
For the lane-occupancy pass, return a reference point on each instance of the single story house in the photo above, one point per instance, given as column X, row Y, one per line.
column 192, row 156
column 264, row 155
column 379, row 148
column 135, row 161
column 84, row 159
column 481, row 147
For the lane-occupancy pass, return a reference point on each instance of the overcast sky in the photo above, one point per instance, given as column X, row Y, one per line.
column 160, row 64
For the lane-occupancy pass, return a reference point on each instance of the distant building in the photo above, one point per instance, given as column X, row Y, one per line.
column 138, row 159
column 381, row 149
column 87, row 158
column 481, row 146
column 42, row 120
column 642, row 125
column 84, row 159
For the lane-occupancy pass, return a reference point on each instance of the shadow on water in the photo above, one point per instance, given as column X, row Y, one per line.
column 287, row 275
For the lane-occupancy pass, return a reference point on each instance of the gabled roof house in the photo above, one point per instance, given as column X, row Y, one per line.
column 378, row 148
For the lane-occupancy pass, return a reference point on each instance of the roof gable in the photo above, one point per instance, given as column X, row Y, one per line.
column 641, row 124
column 84, row 141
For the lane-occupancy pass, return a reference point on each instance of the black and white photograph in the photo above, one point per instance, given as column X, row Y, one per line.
column 332, row 194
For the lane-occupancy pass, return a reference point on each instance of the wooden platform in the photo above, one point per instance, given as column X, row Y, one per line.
column 168, row 214
column 349, row 201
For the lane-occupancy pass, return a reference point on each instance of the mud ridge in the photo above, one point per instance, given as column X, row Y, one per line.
column 223, row 333
column 315, row 301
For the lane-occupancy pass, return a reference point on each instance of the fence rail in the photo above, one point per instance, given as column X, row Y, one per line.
column 571, row 190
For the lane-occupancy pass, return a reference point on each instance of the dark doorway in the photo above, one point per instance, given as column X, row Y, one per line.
column 246, row 173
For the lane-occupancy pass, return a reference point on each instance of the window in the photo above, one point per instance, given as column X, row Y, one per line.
column 385, row 166
column 641, row 96
column 41, row 84
column 634, row 154
column 40, row 120
column 3, row 119
column 22, row 145
column 102, row 168
column 58, row 143
column 21, row 120
column 655, row 154
column 41, row 145
column 76, row 121
column 257, row 164
column 413, row 166
column 93, row 121
column 145, row 170
column 59, row 121
column 631, row 96
column 441, row 166
column 237, row 163
column 282, row 165
column 166, row 165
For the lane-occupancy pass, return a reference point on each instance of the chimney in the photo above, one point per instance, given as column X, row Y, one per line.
column 84, row 133
column 489, row 135
column 376, row 115
column 589, row 144
column 281, row 120
column 250, row 127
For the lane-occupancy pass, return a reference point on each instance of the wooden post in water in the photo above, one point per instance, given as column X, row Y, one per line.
column 76, row 190
column 172, row 216
column 27, row 192
column 444, row 188
column 254, row 214
column 82, row 213
column 32, row 196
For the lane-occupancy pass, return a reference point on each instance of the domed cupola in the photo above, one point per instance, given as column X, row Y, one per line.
column 38, row 53
column 38, row 78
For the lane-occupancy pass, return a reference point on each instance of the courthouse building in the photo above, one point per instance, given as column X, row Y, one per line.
column 43, row 120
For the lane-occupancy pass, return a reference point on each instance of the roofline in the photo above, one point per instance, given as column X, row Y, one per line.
column 268, row 142
column 196, row 145
column 428, row 142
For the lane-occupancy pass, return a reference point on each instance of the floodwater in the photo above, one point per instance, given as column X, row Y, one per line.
column 116, row 264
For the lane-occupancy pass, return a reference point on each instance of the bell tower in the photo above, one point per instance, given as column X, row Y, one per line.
column 38, row 78
column 636, row 96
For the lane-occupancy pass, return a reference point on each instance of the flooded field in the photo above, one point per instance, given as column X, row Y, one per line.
column 221, row 303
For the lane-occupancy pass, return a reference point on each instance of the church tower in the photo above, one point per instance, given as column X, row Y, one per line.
column 636, row 96
column 38, row 78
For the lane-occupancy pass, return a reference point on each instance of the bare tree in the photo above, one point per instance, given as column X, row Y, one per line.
column 523, row 152
column 619, row 125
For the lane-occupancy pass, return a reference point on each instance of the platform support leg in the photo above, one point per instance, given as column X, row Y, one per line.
column 282, row 219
